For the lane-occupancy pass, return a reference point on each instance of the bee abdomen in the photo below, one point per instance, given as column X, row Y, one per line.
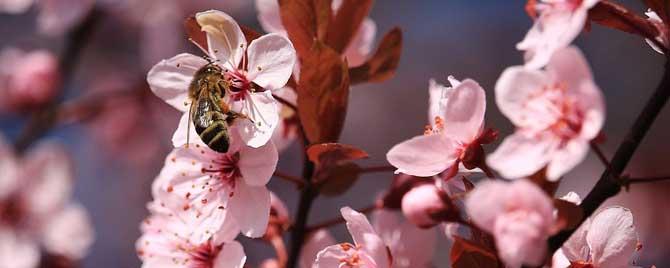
column 215, row 136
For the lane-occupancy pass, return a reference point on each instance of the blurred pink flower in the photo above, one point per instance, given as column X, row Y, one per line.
column 558, row 24
column 206, row 188
column 167, row 241
column 27, row 79
column 607, row 240
column 55, row 17
column 662, row 32
column 315, row 242
column 557, row 113
column 268, row 63
column 368, row 250
column 520, row 217
column 422, row 205
column 356, row 52
column 35, row 207
column 411, row 247
column 456, row 137
column 289, row 123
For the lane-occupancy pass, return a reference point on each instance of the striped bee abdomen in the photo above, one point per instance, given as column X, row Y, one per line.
column 210, row 122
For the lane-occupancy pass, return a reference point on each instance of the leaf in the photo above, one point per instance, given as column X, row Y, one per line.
column 383, row 64
column 336, row 180
column 334, row 153
column 346, row 23
column 194, row 32
column 249, row 34
column 305, row 20
column 323, row 94
column 618, row 17
column 569, row 215
column 466, row 254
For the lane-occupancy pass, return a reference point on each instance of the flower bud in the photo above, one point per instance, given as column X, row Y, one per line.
column 426, row 206
column 33, row 79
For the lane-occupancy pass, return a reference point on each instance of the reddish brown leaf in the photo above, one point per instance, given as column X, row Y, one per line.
column 466, row 254
column 540, row 179
column 400, row 185
column 194, row 32
column 305, row 20
column 346, row 23
column 383, row 64
column 250, row 34
column 469, row 186
column 334, row 153
column 618, row 17
column 323, row 94
column 658, row 6
column 334, row 180
column 569, row 214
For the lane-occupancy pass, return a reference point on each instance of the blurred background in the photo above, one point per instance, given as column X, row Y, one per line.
column 119, row 150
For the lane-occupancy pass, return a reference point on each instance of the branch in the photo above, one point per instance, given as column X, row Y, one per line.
column 290, row 178
column 339, row 220
column 599, row 152
column 42, row 121
column 609, row 183
column 377, row 169
column 645, row 180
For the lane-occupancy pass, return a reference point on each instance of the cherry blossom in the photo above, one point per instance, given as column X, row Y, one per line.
column 205, row 188
column 607, row 239
column 28, row 78
column 368, row 250
column 558, row 23
column 520, row 217
column 252, row 72
column 424, row 205
column 557, row 113
column 662, row 37
column 410, row 246
column 314, row 243
column 35, row 210
column 289, row 123
column 166, row 241
column 454, row 137
column 356, row 52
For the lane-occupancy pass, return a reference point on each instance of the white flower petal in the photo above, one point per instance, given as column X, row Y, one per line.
column 170, row 79
column 258, row 164
column 250, row 206
column 225, row 39
column 271, row 60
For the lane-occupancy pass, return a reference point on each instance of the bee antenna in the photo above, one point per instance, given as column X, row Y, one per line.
column 199, row 46
column 188, row 128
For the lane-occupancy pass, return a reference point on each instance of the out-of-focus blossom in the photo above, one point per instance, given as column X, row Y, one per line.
column 368, row 249
column 456, row 137
column 27, row 79
column 166, row 241
column 35, row 210
column 357, row 50
column 270, row 263
column 410, row 246
column 607, row 240
column 662, row 37
column 55, row 17
column 15, row 6
column 289, row 123
column 520, row 217
column 279, row 220
column 315, row 242
column 425, row 205
column 558, row 23
column 268, row 64
column 557, row 113
column 205, row 188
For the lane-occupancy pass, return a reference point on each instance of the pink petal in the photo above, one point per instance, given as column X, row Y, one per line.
column 316, row 241
column 15, row 6
column 566, row 158
column 423, row 156
column 410, row 246
column 612, row 237
column 285, row 133
column 465, row 109
column 225, row 39
column 521, row 238
column 250, row 207
column 170, row 79
column 56, row 17
column 263, row 113
column 269, row 17
column 271, row 60
column 513, row 89
column 484, row 204
column 559, row 260
column 49, row 171
column 17, row 251
column 231, row 256
column 69, row 233
column 365, row 236
column 438, row 94
column 576, row 248
column 361, row 45
column 258, row 164
column 519, row 156
column 330, row 257
column 180, row 136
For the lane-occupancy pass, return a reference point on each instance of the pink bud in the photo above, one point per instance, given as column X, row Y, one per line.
column 426, row 206
column 34, row 79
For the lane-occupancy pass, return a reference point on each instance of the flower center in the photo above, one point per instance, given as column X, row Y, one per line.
column 225, row 169
column 239, row 84
column 353, row 260
column 12, row 213
column 557, row 111
column 203, row 255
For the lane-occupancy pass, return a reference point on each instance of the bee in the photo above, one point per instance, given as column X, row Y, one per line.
column 210, row 115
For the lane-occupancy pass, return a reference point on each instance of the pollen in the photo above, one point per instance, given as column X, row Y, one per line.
column 259, row 68
column 170, row 189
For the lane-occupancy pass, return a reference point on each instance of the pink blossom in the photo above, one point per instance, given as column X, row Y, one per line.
column 35, row 208
column 166, row 241
column 662, row 37
column 205, row 188
column 518, row 214
column 315, row 242
column 367, row 251
column 424, row 204
column 356, row 52
column 15, row 6
column 456, row 135
column 289, row 123
column 557, row 113
column 606, row 240
column 57, row 17
column 411, row 247
column 28, row 79
column 558, row 24
column 267, row 62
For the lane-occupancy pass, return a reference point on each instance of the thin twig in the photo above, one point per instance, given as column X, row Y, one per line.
column 609, row 183
column 339, row 220
column 290, row 178
column 645, row 180
column 285, row 102
column 599, row 152
column 377, row 169
column 280, row 249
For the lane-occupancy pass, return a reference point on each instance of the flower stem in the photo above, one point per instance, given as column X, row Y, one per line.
column 609, row 183
column 300, row 183
column 645, row 180
column 339, row 220
column 377, row 169
column 601, row 155
column 43, row 120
